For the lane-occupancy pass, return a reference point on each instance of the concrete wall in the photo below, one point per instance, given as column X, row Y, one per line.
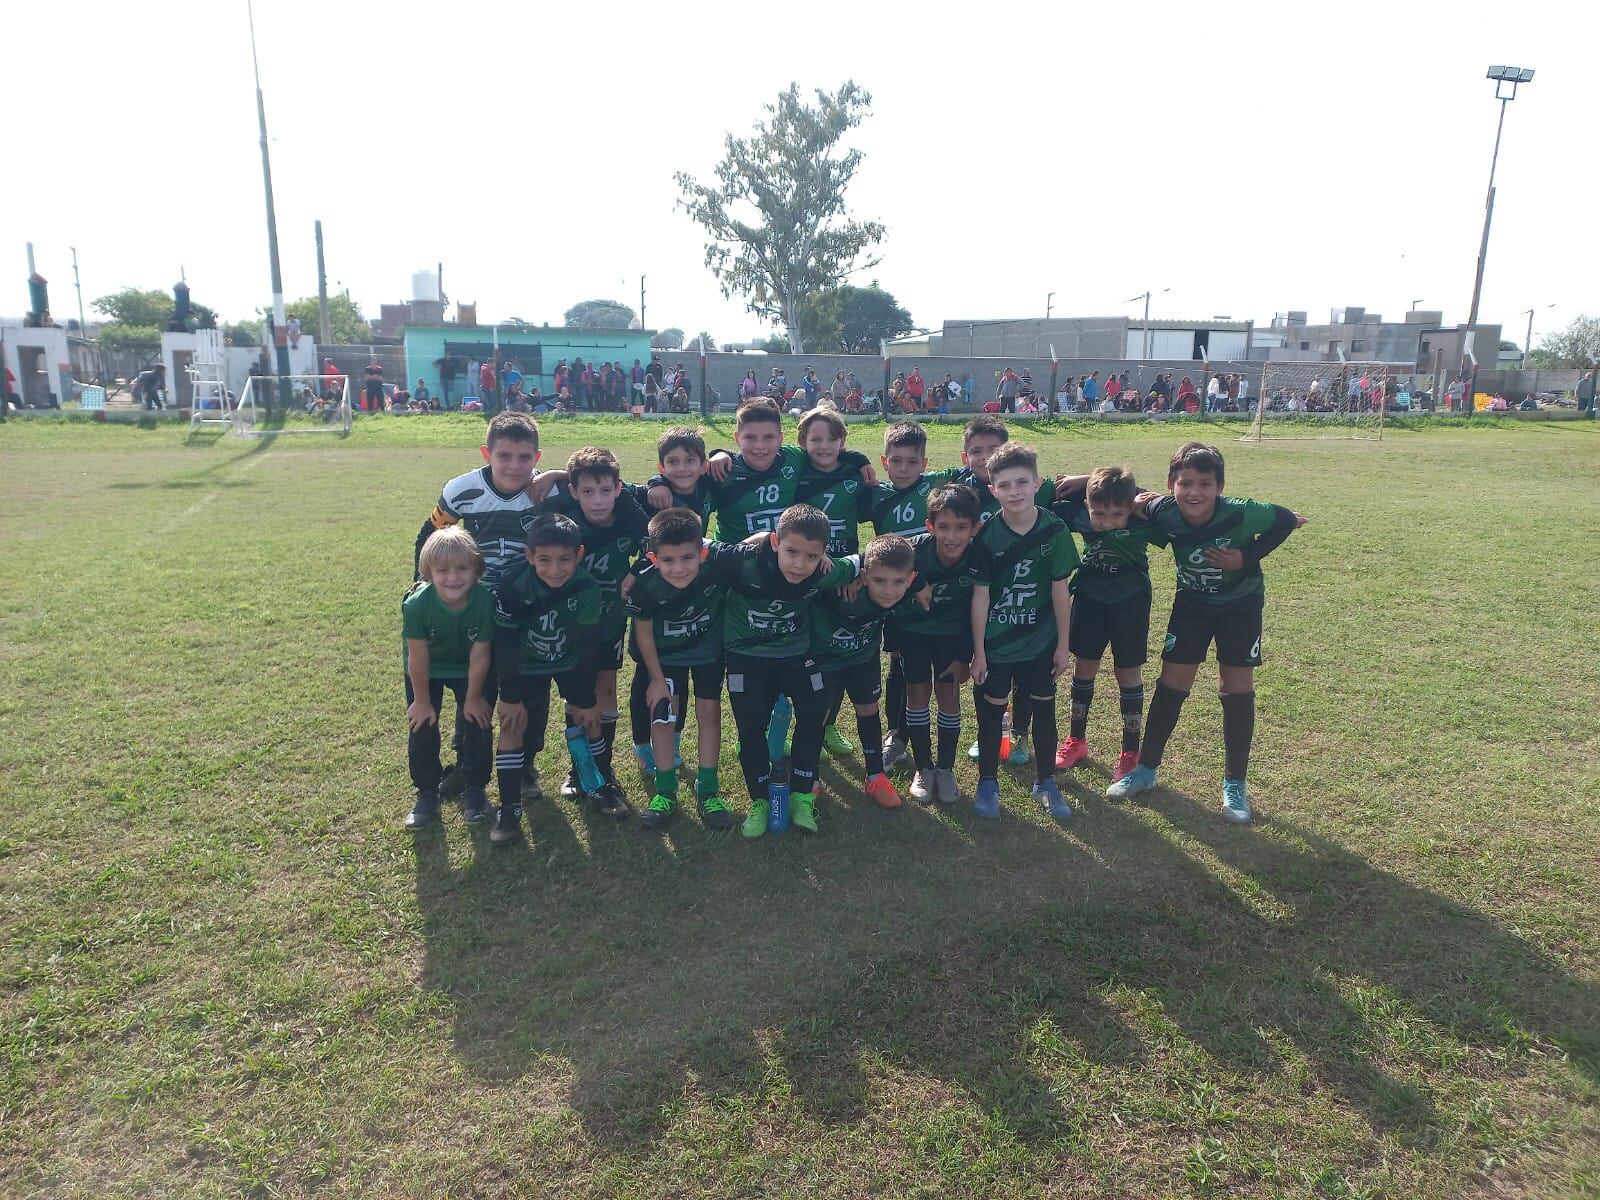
column 43, row 351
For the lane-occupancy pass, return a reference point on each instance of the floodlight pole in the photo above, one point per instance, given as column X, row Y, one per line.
column 279, row 326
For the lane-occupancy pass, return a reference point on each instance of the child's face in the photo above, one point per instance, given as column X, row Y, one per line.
column 887, row 585
column 680, row 564
column 1014, row 487
column 905, row 465
column 951, row 534
column 758, row 442
column 597, row 498
column 822, row 447
column 682, row 468
column 798, row 556
column 1196, row 493
column 554, row 565
column 511, row 462
column 977, row 451
column 453, row 580
column 1105, row 516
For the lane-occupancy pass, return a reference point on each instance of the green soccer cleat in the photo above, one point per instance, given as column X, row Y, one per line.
column 1140, row 779
column 715, row 813
column 835, row 743
column 803, row 811
column 755, row 823
column 1235, row 802
column 658, row 812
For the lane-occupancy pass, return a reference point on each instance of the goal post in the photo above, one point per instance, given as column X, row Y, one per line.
column 1300, row 400
column 318, row 404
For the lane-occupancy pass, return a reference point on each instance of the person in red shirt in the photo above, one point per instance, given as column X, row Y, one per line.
column 915, row 387
column 1113, row 389
column 486, row 384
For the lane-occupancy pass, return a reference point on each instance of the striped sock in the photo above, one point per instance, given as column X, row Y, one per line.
column 949, row 739
column 921, row 743
column 508, row 772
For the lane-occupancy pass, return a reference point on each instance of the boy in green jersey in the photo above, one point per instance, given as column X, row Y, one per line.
column 936, row 644
column 767, row 648
column 676, row 603
column 681, row 467
column 547, row 612
column 448, row 622
column 846, row 629
column 1020, row 633
column 1218, row 543
column 1110, row 603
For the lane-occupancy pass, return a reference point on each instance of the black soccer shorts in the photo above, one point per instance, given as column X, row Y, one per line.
column 706, row 678
column 927, row 657
column 1031, row 678
column 1236, row 628
column 862, row 681
column 611, row 652
column 1123, row 625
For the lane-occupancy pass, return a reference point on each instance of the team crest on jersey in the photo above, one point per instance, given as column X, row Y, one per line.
column 787, row 472
column 850, row 486
column 572, row 604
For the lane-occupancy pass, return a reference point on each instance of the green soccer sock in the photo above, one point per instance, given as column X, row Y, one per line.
column 706, row 783
column 667, row 783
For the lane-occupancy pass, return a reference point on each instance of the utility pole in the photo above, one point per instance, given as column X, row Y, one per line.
column 324, row 324
column 83, row 328
column 278, row 323
column 1048, row 305
column 642, row 325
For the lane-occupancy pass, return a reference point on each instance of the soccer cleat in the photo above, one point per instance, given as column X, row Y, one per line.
column 610, row 802
column 715, row 813
column 474, row 805
column 658, row 813
column 1235, row 804
column 945, row 788
column 647, row 759
column 1140, row 779
column 507, row 826
column 803, row 810
column 1047, row 793
column 569, row 786
column 987, row 802
column 530, row 785
column 1018, row 753
column 1126, row 761
column 455, row 779
column 894, row 751
column 424, row 812
column 881, row 792
column 835, row 743
column 755, row 821
column 921, row 789
column 972, row 751
column 1072, row 752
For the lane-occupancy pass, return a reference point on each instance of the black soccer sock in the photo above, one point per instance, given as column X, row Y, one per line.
column 1238, row 730
column 1164, row 709
column 1021, row 715
column 1131, row 701
column 870, row 729
column 1082, row 698
column 1044, row 736
column 989, row 718
column 638, row 708
column 894, row 694
column 608, row 739
column 949, row 739
column 477, row 748
column 508, row 773
column 920, row 736
column 833, row 710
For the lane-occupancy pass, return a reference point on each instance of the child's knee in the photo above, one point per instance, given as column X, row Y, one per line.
column 867, row 710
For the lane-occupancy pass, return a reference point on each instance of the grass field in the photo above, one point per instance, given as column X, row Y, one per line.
column 226, row 969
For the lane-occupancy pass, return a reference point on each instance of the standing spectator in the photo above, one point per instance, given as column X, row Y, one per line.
column 811, row 386
column 510, row 377
column 372, row 387
column 1091, row 391
column 840, row 389
column 778, row 385
column 751, row 387
column 1214, row 392
column 1026, row 390
column 1231, row 383
column 635, row 382
column 916, row 387
column 582, row 383
column 1186, row 400
column 949, row 393
column 1586, row 394
column 330, row 380
column 485, row 382
column 1006, row 390
column 1113, row 391
column 1243, row 392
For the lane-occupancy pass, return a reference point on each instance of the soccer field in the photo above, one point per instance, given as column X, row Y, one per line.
column 227, row 970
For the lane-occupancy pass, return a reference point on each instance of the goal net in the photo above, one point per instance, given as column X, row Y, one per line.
column 1321, row 400
column 317, row 404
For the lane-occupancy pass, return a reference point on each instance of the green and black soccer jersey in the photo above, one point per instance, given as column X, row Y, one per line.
column 552, row 627
column 687, row 622
column 903, row 510
column 1234, row 523
column 493, row 518
column 1116, row 563
column 450, row 635
column 1020, row 572
column 949, row 609
column 846, row 632
column 764, row 615
column 702, row 501
column 751, row 501
column 1043, row 497
column 836, row 493
column 608, row 550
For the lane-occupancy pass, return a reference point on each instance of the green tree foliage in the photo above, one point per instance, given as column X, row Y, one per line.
column 244, row 333
column 598, row 314
column 1575, row 347
column 702, row 343
column 776, row 213
column 119, row 334
column 142, row 307
column 776, row 344
column 670, row 338
column 852, row 320
column 345, row 321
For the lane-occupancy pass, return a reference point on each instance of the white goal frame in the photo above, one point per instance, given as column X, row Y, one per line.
column 1359, row 420
column 338, row 415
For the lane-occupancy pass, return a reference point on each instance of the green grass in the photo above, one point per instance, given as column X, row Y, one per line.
column 227, row 971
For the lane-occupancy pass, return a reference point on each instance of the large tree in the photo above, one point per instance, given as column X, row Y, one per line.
column 776, row 214
column 852, row 320
column 702, row 343
column 598, row 314
column 670, row 338
column 345, row 321
column 136, row 306
column 1575, row 347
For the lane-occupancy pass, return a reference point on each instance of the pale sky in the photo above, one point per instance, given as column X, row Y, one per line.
column 1253, row 158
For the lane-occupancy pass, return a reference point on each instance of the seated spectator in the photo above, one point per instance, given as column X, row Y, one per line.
column 1107, row 404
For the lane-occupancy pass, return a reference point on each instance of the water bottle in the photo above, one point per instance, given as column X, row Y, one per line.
column 778, row 728
column 777, row 807
column 1005, row 736
column 582, row 760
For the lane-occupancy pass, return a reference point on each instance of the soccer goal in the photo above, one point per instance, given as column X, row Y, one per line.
column 1320, row 400
column 323, row 400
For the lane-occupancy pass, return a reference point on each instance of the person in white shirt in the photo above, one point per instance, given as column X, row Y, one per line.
column 1214, row 393
column 1108, row 405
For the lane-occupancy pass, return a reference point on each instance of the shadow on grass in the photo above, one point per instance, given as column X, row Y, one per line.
column 961, row 950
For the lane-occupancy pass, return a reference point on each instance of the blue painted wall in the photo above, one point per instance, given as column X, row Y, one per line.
column 425, row 343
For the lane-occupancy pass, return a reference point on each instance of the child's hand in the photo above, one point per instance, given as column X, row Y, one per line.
column 980, row 667
column 924, row 598
column 868, row 475
column 513, row 718
column 1061, row 662
column 589, row 718
column 476, row 709
column 1225, row 557
column 1299, row 520
column 659, row 495
column 626, row 585
column 656, row 693
column 850, row 590
column 421, row 714
column 540, row 485
column 719, row 466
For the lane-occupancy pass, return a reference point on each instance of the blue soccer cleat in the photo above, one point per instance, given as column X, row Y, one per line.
column 647, row 758
column 1235, row 804
column 1140, row 779
column 1048, row 794
column 1019, row 753
column 987, row 801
